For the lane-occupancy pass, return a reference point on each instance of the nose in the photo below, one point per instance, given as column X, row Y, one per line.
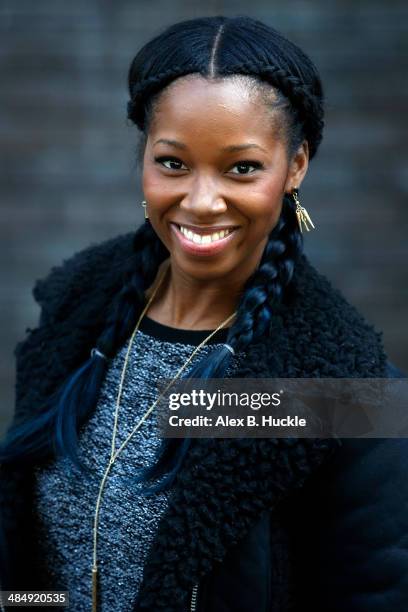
column 203, row 201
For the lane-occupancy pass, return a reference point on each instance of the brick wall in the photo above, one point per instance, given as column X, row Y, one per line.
column 68, row 157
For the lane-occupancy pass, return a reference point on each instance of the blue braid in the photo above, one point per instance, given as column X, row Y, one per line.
column 54, row 430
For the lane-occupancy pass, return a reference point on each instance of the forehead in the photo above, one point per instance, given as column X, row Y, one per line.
column 222, row 106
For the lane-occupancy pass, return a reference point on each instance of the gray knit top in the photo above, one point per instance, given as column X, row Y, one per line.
column 65, row 499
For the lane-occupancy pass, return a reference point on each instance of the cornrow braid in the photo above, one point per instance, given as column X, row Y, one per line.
column 144, row 89
column 307, row 103
column 283, row 65
column 262, row 292
column 265, row 288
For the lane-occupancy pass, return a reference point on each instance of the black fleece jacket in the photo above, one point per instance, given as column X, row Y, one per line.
column 258, row 524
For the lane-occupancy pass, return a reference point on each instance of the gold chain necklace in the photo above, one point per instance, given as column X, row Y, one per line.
column 114, row 454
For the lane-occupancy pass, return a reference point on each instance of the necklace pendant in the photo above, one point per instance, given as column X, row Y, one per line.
column 94, row 588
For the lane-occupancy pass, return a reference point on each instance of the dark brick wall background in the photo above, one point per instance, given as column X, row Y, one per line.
column 68, row 156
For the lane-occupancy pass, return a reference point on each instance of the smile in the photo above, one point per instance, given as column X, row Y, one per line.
column 209, row 243
column 203, row 238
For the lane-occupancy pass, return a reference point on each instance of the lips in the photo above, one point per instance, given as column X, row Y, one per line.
column 207, row 249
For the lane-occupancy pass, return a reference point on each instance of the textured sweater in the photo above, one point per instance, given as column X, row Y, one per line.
column 65, row 499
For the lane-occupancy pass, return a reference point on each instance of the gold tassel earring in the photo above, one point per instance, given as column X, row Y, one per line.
column 144, row 204
column 301, row 212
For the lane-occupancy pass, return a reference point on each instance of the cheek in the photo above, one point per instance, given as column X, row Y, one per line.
column 155, row 191
column 265, row 205
column 157, row 196
column 150, row 182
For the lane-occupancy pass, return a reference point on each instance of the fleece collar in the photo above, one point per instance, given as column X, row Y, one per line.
column 224, row 484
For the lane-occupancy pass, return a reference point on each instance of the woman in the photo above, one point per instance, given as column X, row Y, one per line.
column 213, row 284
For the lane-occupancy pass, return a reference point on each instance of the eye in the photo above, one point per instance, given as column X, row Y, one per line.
column 171, row 160
column 245, row 164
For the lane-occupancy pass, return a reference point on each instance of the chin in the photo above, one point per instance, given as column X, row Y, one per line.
column 202, row 268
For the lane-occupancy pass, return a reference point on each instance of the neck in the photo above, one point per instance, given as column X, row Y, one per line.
column 192, row 303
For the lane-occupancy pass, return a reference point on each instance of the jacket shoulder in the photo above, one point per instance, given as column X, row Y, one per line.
column 73, row 297
column 70, row 278
column 336, row 338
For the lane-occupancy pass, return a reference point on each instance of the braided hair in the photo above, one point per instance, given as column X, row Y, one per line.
column 215, row 48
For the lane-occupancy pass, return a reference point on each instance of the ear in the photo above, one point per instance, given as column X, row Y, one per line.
column 297, row 167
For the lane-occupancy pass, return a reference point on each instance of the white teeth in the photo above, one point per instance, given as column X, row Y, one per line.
column 203, row 239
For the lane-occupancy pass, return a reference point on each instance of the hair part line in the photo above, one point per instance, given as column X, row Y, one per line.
column 214, row 50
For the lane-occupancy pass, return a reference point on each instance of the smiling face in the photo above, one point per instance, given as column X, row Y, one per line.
column 215, row 160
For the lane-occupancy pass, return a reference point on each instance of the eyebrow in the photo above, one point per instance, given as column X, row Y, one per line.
column 229, row 148
column 173, row 143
